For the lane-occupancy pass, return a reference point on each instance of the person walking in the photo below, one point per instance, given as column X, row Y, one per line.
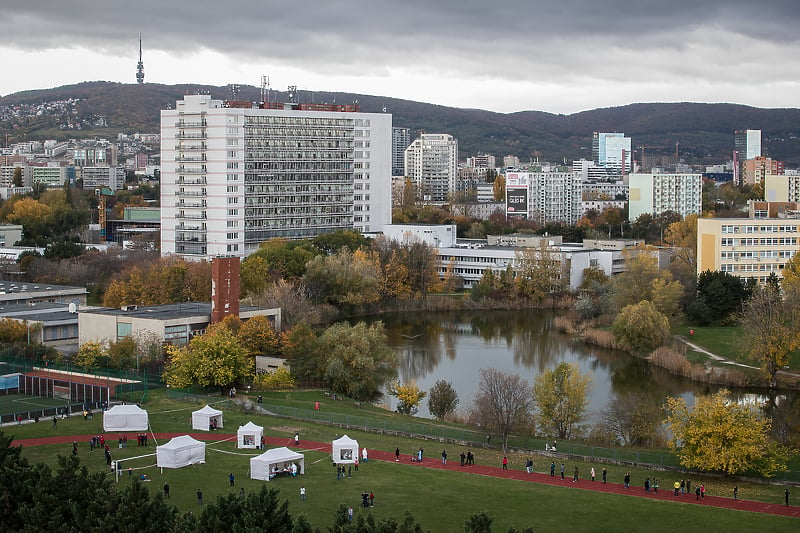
column 605, row 474
column 55, row 421
column 591, row 473
column 736, row 492
column 786, row 496
column 230, row 478
column 562, row 470
column 627, row 480
column 702, row 491
column 371, row 499
column 166, row 490
column 552, row 469
column 364, row 457
column 529, row 465
column 200, row 496
column 444, row 457
column 397, row 454
column 655, row 484
column 575, row 475
column 463, row 457
column 647, row 485
column 302, row 492
column 683, row 487
column 697, row 493
column 677, row 486
column 505, row 463
column 296, row 438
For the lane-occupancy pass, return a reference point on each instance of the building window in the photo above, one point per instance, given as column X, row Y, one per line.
column 124, row 330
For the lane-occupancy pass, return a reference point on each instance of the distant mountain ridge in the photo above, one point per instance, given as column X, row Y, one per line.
column 703, row 132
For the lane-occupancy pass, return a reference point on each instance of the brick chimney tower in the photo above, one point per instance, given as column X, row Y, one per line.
column 224, row 287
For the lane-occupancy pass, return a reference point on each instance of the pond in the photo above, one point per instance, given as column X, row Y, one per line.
column 455, row 346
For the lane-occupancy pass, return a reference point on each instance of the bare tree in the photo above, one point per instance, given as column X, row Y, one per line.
column 503, row 402
column 633, row 418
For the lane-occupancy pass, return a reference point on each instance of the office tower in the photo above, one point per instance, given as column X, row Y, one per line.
column 612, row 151
column 747, row 144
column 401, row 138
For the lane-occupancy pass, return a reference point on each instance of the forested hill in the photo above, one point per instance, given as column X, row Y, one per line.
column 703, row 132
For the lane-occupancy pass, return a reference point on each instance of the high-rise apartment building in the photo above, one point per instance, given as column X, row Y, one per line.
column 431, row 162
column 757, row 169
column 401, row 138
column 657, row 193
column 544, row 196
column 235, row 174
column 612, row 151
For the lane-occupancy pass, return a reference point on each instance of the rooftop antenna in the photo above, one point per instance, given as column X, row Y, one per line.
column 233, row 90
column 292, row 89
column 140, row 66
column 265, row 89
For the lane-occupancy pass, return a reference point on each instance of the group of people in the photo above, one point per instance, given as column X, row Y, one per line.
column 467, row 458
column 367, row 499
column 142, row 439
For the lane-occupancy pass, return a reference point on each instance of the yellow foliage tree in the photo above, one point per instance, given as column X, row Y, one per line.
column 279, row 379
column 88, row 354
column 215, row 359
column 27, row 211
column 409, row 396
column 13, row 331
column 723, row 435
column 258, row 336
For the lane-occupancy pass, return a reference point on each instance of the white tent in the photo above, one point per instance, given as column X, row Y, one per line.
column 249, row 435
column 276, row 461
column 180, row 451
column 344, row 450
column 203, row 418
column 125, row 418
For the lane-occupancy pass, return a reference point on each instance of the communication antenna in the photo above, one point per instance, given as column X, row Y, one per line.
column 233, row 90
column 140, row 66
column 292, row 92
column 265, row 89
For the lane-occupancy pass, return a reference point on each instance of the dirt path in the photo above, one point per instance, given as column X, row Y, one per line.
column 636, row 489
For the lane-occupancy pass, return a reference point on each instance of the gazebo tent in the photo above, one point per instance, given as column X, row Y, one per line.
column 249, row 435
column 203, row 418
column 125, row 418
column 180, row 451
column 280, row 458
column 344, row 450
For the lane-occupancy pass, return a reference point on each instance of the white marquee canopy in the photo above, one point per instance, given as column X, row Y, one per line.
column 181, row 451
column 125, row 418
column 276, row 460
column 203, row 418
column 249, row 435
column 344, row 450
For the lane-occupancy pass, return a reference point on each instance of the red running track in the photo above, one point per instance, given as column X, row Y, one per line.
column 665, row 494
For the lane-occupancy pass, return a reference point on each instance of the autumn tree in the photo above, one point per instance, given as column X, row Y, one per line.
column 214, row 359
column 503, row 403
column 771, row 330
column 561, row 396
column 790, row 285
column 499, row 189
column 168, row 280
column 299, row 347
column 642, row 280
column 345, row 278
column 122, row 353
column 682, row 236
column 640, row 327
column 88, row 354
column 409, row 396
column 633, row 417
column 286, row 259
column 254, row 275
column 355, row 360
column 540, row 271
column 279, row 379
column 258, row 336
column 720, row 434
column 442, row 399
column 13, row 330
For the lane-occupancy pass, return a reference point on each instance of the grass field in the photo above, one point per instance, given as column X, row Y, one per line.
column 441, row 501
column 16, row 403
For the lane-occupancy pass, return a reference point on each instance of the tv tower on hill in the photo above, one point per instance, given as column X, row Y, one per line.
column 140, row 66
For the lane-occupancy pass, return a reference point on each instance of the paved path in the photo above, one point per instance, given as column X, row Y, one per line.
column 725, row 361
column 665, row 493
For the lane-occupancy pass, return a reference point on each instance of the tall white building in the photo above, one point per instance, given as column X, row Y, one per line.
column 658, row 193
column 612, row 151
column 234, row 175
column 544, row 196
column 431, row 162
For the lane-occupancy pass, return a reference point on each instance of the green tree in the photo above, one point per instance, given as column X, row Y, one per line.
column 355, row 360
column 720, row 434
column 503, row 403
column 122, row 353
column 442, row 399
column 286, row 259
column 640, row 327
column 478, row 523
column 214, row 359
column 258, row 510
column 17, row 179
column 771, row 330
column 299, row 346
column 561, row 396
column 721, row 293
column 254, row 275
column 409, row 396
column 540, row 272
column 636, row 283
column 331, row 243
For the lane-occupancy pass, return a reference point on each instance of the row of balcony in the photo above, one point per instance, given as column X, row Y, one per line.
column 190, row 136
column 191, row 205
column 191, row 158
column 191, row 216
column 188, row 124
column 196, row 194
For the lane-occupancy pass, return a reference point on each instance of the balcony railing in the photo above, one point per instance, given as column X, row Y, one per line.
column 195, row 194
column 191, row 216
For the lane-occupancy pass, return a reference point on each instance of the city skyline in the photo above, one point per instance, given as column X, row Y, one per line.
column 505, row 56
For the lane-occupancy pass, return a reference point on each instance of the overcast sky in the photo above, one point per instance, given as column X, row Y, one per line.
column 560, row 56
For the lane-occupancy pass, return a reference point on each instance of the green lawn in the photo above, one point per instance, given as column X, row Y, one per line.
column 440, row 501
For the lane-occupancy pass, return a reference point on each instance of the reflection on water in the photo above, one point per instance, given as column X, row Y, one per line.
column 454, row 346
